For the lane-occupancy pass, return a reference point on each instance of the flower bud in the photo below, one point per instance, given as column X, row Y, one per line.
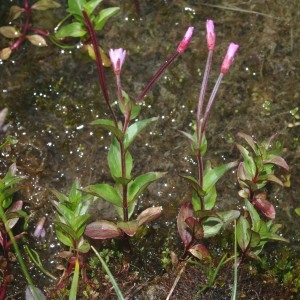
column 117, row 57
column 210, row 34
column 40, row 231
column 186, row 40
column 229, row 57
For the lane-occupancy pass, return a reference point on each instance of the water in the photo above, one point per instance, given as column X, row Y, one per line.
column 53, row 95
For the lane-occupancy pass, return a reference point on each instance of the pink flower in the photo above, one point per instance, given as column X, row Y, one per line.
column 229, row 57
column 117, row 57
column 186, row 40
column 210, row 34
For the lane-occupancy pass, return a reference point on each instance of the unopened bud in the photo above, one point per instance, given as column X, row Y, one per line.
column 229, row 57
column 210, row 34
column 186, row 40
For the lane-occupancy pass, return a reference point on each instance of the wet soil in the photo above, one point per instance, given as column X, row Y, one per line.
column 53, row 95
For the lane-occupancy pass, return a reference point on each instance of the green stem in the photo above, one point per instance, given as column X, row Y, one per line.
column 124, row 184
column 35, row 258
column 234, row 289
column 18, row 253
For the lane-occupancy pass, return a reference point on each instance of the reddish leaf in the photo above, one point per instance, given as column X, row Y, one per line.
column 102, row 230
column 276, row 160
column 196, row 227
column 200, row 251
column 149, row 215
column 264, row 205
column 250, row 140
column 129, row 228
column 272, row 177
column 185, row 212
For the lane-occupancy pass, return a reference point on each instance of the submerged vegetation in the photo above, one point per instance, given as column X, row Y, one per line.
column 136, row 248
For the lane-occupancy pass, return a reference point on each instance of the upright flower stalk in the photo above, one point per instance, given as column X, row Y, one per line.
column 210, row 39
column 99, row 64
column 180, row 49
column 201, row 119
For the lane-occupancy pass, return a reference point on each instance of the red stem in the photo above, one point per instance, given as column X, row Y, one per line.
column 99, row 64
column 155, row 77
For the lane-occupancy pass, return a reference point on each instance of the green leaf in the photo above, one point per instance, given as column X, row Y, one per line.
column 195, row 185
column 75, row 7
column 212, row 226
column 229, row 216
column 255, row 218
column 66, row 230
column 135, row 110
column 140, row 183
column 106, row 192
column 115, row 163
column 210, row 198
column 191, row 137
column 130, row 228
column 10, row 179
column 79, row 221
column 66, row 213
column 91, row 5
column 297, row 211
column 83, row 246
column 273, row 236
column 249, row 164
column 255, row 238
column 136, row 129
column 103, row 16
column 243, row 233
column 75, row 29
column 74, row 195
column 110, row 126
column 60, row 196
column 130, row 208
column 65, row 239
column 82, row 208
column 212, row 176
